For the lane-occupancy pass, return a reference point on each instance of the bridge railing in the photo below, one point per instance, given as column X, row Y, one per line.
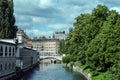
column 56, row 57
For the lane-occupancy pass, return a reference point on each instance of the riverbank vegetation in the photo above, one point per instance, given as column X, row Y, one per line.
column 94, row 44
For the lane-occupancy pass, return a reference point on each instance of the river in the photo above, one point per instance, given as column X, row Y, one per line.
column 47, row 71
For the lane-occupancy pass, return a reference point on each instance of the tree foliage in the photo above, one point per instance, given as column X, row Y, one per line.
column 95, row 42
column 67, row 59
column 7, row 19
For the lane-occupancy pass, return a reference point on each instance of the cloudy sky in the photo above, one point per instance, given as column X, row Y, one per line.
column 44, row 17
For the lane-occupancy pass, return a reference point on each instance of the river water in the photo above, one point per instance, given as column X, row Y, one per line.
column 47, row 71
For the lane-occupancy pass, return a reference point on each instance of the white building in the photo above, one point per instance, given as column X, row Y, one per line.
column 15, row 54
column 21, row 36
column 47, row 47
column 7, row 58
column 59, row 35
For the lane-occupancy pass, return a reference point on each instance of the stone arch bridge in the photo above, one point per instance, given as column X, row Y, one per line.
column 51, row 57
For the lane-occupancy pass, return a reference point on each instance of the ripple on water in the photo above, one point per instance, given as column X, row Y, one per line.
column 53, row 72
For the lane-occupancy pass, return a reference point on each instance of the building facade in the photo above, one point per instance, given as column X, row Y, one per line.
column 59, row 35
column 21, row 36
column 14, row 54
column 7, row 59
column 26, row 57
column 47, row 47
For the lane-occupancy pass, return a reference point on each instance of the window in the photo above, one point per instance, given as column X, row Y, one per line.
column 6, row 51
column 13, row 51
column 9, row 51
column 5, row 66
column 13, row 65
column 1, row 51
column 0, row 67
column 9, row 66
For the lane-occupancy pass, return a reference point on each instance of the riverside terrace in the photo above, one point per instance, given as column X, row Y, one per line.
column 15, row 57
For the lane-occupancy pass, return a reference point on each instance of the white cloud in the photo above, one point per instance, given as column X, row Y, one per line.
column 110, row 2
column 45, row 3
column 116, row 8
column 38, row 33
column 38, row 20
column 54, row 14
column 24, row 25
column 59, row 26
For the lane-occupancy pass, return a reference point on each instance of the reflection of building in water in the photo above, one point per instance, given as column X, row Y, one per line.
column 47, row 47
column 44, row 65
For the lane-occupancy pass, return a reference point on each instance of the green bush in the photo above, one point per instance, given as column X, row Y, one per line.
column 67, row 59
column 18, row 69
column 71, row 64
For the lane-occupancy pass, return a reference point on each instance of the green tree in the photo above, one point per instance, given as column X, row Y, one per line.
column 67, row 59
column 95, row 43
column 7, row 19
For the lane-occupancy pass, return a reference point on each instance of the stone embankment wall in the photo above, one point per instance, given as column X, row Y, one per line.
column 76, row 68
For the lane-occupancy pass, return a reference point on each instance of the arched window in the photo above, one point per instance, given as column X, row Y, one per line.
column 0, row 67
column 9, row 51
column 9, row 66
column 13, row 65
column 5, row 66
column 6, row 51
column 13, row 51
column 1, row 51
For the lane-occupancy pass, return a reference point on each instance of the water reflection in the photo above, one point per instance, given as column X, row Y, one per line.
column 47, row 71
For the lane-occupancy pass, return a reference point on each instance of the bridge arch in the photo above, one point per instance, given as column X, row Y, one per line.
column 51, row 57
